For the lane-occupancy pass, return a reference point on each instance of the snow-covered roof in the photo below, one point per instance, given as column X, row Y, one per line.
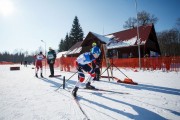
column 102, row 38
column 113, row 42
column 74, row 51
column 76, row 48
column 129, row 37
column 121, row 43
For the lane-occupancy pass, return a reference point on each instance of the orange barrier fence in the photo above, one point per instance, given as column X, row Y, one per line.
column 6, row 63
column 64, row 64
column 152, row 63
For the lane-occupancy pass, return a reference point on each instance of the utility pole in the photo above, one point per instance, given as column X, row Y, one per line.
column 138, row 40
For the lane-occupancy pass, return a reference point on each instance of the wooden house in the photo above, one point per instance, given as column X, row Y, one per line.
column 122, row 44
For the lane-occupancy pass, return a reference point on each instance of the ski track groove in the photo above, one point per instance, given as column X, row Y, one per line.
column 91, row 97
column 77, row 102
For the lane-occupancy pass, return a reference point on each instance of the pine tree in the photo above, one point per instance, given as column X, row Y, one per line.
column 66, row 42
column 76, row 33
column 61, row 44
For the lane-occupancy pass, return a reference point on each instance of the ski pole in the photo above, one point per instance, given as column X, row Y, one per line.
column 122, row 72
column 106, row 69
column 66, row 81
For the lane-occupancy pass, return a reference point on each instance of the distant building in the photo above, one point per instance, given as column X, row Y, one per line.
column 122, row 44
column 125, row 42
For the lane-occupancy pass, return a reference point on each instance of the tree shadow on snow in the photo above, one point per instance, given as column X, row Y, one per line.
column 149, row 88
column 172, row 111
column 57, row 84
column 154, row 88
column 143, row 114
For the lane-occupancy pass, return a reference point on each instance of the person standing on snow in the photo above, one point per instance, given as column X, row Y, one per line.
column 51, row 57
column 82, row 64
column 38, row 63
column 96, row 63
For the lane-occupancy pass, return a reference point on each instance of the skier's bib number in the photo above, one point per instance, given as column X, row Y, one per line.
column 40, row 57
column 50, row 56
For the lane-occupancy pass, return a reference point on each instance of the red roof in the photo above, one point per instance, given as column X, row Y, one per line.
column 78, row 44
column 144, row 32
column 76, row 48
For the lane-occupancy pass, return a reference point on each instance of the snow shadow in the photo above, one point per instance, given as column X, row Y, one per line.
column 172, row 111
column 71, row 82
column 143, row 114
column 57, row 84
column 166, row 90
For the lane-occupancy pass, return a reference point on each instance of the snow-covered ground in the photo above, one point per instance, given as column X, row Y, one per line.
column 25, row 97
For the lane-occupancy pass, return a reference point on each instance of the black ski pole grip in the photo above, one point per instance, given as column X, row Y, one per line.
column 64, row 82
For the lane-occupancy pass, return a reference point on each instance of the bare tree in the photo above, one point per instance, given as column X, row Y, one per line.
column 144, row 18
column 168, row 42
column 178, row 29
column 130, row 23
column 178, row 23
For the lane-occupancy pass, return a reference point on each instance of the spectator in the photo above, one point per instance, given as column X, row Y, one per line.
column 51, row 57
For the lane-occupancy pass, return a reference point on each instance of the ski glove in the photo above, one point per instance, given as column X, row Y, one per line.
column 78, row 67
column 97, row 66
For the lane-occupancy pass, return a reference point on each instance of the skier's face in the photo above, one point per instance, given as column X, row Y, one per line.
column 95, row 55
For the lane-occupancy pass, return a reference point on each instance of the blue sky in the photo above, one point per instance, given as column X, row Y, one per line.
column 24, row 23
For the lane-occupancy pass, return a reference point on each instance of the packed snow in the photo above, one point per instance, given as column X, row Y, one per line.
column 25, row 97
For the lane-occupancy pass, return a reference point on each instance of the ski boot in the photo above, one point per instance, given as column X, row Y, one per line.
column 36, row 75
column 74, row 92
column 51, row 76
column 42, row 75
column 89, row 86
column 98, row 77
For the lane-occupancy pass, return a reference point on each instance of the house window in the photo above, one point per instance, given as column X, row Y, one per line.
column 124, row 55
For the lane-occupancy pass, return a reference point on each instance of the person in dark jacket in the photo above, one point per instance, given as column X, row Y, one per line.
column 51, row 57
column 96, row 63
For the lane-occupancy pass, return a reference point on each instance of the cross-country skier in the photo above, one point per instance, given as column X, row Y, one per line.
column 82, row 63
column 38, row 63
